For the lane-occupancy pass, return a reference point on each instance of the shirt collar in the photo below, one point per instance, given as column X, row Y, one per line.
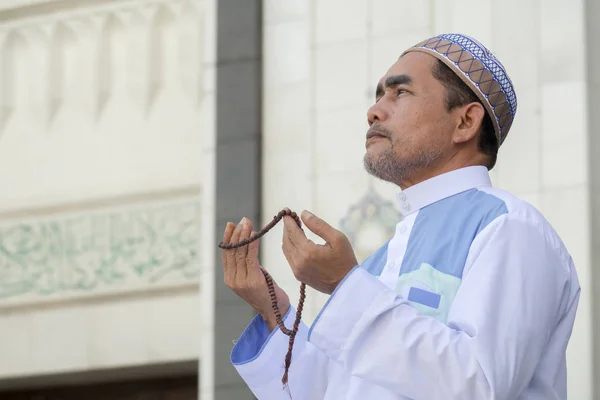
column 439, row 187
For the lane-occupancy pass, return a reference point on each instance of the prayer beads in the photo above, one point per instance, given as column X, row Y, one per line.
column 291, row 333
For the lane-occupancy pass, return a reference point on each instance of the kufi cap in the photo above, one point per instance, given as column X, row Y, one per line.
column 481, row 71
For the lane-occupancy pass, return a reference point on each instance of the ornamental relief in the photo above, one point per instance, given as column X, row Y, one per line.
column 104, row 252
column 370, row 223
column 101, row 100
column 84, row 57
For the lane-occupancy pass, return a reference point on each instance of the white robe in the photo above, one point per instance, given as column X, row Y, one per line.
column 473, row 298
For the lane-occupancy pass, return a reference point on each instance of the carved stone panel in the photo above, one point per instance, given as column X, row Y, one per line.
column 105, row 252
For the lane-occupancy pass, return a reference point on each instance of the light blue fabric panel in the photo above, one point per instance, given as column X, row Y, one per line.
column 438, row 246
column 443, row 231
column 375, row 262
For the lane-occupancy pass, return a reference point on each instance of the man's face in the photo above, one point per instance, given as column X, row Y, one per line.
column 411, row 128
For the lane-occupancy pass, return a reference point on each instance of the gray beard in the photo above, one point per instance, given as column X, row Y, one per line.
column 388, row 168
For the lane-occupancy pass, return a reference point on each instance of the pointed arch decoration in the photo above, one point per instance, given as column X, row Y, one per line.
column 369, row 223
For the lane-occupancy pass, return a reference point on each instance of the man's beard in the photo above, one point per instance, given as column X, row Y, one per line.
column 389, row 168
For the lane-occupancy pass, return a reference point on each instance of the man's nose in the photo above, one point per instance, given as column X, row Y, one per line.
column 376, row 113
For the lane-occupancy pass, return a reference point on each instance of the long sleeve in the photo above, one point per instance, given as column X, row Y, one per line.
column 517, row 287
column 258, row 357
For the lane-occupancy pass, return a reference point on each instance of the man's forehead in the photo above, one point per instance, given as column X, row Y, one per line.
column 414, row 64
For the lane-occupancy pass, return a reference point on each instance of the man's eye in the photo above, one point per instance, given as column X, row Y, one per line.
column 400, row 91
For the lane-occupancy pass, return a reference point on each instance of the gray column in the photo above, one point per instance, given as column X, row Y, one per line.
column 238, row 186
column 592, row 35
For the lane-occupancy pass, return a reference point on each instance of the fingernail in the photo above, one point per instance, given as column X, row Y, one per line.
column 307, row 214
column 244, row 221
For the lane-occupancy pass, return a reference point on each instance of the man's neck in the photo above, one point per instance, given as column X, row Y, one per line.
column 431, row 172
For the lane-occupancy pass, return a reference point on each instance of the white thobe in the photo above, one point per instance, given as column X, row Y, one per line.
column 474, row 297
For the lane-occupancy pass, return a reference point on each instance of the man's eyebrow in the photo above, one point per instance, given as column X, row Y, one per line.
column 396, row 80
column 392, row 81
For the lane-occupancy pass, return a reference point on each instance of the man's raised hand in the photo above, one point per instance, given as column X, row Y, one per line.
column 242, row 273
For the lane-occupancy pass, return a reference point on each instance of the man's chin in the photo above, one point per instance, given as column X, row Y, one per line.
column 373, row 168
column 382, row 166
column 375, row 153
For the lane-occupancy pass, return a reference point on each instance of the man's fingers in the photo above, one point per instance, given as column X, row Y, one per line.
column 235, row 237
column 228, row 267
column 230, row 254
column 229, row 228
column 292, row 231
column 242, row 252
column 320, row 227
column 289, row 250
column 252, row 257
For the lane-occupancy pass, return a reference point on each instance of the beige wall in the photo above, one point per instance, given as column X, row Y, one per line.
column 106, row 164
column 322, row 61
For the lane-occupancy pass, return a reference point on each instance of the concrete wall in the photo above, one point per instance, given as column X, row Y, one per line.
column 106, row 162
column 322, row 61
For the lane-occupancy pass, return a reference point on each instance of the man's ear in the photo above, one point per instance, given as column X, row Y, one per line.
column 470, row 119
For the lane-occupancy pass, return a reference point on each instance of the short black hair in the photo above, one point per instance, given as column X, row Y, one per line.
column 459, row 94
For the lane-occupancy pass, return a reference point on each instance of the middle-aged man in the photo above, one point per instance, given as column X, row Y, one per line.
column 475, row 295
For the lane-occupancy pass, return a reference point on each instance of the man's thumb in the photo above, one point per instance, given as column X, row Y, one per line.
column 318, row 226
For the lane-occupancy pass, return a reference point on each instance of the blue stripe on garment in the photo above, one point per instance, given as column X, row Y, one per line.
column 424, row 297
column 253, row 340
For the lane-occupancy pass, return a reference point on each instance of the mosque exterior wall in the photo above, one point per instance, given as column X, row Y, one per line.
column 322, row 62
column 106, row 163
column 114, row 116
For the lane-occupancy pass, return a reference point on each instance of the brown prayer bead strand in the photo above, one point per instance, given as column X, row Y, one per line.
column 263, row 231
column 274, row 305
column 291, row 333
column 288, row 357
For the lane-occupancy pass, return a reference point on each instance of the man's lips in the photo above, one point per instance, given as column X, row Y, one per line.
column 374, row 134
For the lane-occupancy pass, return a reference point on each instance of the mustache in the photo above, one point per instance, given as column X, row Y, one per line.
column 380, row 130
